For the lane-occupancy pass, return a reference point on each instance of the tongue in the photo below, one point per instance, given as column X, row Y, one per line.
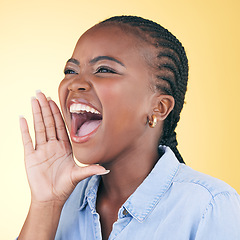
column 88, row 127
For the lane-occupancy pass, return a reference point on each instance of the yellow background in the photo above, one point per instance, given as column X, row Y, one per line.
column 37, row 37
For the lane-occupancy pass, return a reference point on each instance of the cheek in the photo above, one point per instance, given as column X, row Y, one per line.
column 116, row 98
column 115, row 91
column 107, row 89
column 124, row 102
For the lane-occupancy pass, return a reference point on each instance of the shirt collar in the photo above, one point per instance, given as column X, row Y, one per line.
column 141, row 203
column 90, row 194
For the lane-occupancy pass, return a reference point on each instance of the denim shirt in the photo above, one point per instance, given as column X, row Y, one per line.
column 174, row 202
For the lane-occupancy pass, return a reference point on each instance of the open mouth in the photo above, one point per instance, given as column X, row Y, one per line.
column 85, row 121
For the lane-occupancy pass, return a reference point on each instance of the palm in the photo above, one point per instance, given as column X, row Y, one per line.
column 49, row 171
column 52, row 172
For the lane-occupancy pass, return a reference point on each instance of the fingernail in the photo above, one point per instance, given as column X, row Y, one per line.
column 32, row 98
column 48, row 98
column 21, row 116
column 38, row 91
column 103, row 173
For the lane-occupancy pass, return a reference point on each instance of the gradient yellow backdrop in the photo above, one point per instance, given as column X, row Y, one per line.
column 37, row 37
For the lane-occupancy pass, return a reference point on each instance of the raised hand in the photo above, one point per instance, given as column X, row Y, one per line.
column 51, row 170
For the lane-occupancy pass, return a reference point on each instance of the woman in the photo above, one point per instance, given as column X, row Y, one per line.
column 121, row 97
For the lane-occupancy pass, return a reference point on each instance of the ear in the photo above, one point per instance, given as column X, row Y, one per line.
column 164, row 107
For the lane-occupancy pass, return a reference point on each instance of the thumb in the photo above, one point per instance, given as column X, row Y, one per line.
column 80, row 173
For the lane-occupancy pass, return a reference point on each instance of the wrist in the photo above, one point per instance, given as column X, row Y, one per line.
column 42, row 220
column 46, row 205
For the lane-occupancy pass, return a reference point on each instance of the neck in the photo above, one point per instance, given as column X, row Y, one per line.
column 127, row 173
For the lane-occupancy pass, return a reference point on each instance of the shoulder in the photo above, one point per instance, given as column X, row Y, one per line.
column 191, row 190
column 207, row 185
column 208, row 194
column 198, row 192
column 212, row 205
column 189, row 181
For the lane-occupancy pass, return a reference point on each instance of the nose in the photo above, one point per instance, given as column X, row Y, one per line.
column 79, row 84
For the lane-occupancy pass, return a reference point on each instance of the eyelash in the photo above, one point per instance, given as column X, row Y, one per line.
column 69, row 71
column 99, row 70
column 109, row 70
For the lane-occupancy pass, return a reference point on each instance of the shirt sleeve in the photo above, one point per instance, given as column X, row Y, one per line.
column 221, row 219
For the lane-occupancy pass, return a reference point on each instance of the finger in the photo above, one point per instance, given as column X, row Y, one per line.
column 59, row 123
column 80, row 173
column 26, row 138
column 47, row 116
column 39, row 127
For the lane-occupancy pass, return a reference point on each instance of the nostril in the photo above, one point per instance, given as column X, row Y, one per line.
column 79, row 84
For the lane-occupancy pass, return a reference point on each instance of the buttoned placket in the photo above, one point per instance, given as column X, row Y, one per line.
column 91, row 199
column 97, row 226
column 124, row 218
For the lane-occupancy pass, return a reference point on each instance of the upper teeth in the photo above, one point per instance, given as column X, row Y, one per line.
column 78, row 108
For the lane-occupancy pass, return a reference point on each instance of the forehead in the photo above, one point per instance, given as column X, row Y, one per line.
column 110, row 33
column 111, row 40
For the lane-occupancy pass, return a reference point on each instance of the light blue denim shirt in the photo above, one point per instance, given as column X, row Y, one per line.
column 173, row 203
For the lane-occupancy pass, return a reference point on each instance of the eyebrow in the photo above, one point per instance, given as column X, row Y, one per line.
column 73, row 60
column 96, row 59
column 99, row 58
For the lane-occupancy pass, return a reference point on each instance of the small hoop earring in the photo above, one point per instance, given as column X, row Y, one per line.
column 152, row 123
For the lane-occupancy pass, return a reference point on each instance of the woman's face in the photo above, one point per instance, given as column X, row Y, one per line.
column 109, row 78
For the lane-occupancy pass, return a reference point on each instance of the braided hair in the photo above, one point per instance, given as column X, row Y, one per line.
column 171, row 67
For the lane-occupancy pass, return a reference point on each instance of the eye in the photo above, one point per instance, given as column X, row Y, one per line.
column 69, row 71
column 105, row 70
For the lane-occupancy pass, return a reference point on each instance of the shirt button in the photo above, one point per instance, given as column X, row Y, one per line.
column 125, row 212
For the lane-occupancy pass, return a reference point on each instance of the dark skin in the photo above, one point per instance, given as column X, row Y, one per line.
column 122, row 154
column 109, row 72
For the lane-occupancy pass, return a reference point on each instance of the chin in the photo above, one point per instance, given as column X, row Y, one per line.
column 86, row 156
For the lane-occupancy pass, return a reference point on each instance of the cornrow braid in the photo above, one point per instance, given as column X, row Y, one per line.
column 171, row 69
